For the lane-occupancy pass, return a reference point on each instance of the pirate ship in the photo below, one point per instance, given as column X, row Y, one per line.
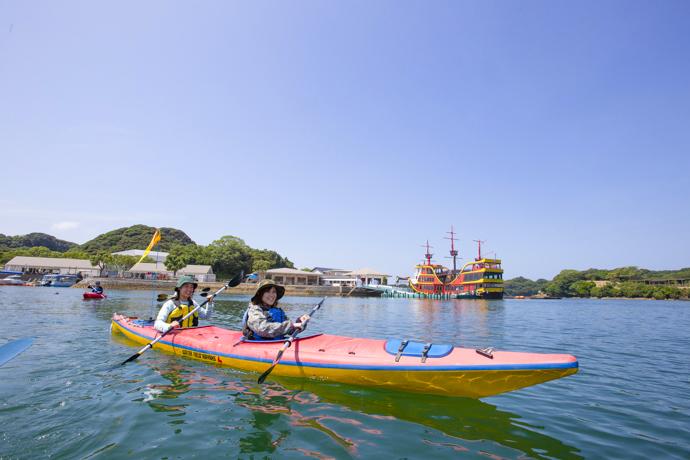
column 481, row 278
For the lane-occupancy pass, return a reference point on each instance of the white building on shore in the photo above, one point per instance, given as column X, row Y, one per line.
column 148, row 271
column 369, row 276
column 293, row 277
column 335, row 277
column 47, row 265
column 202, row 273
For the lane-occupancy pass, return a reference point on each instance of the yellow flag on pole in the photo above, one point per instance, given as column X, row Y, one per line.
column 154, row 241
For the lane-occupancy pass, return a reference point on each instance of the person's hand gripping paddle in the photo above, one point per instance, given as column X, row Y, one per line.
column 288, row 343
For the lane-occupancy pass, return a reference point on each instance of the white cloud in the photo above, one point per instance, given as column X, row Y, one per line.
column 67, row 225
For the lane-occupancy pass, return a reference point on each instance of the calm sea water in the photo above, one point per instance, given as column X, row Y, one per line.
column 62, row 399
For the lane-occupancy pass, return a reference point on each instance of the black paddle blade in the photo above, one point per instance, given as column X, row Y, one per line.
column 206, row 289
column 263, row 376
column 131, row 358
column 204, row 294
column 237, row 279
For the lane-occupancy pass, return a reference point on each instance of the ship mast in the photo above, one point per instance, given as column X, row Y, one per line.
column 479, row 249
column 428, row 254
column 453, row 251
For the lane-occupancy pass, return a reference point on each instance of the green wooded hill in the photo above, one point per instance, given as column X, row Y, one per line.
column 618, row 282
column 34, row 240
column 227, row 255
column 136, row 237
column 523, row 286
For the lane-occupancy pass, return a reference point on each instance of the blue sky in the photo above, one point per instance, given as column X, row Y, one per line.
column 346, row 134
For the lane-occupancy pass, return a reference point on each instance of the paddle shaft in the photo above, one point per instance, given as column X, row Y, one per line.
column 154, row 341
column 288, row 343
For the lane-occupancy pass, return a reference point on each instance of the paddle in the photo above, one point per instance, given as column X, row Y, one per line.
column 232, row 283
column 288, row 343
column 12, row 349
column 162, row 297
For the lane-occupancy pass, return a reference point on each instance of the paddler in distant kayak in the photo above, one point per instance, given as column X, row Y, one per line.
column 264, row 319
column 172, row 311
column 97, row 288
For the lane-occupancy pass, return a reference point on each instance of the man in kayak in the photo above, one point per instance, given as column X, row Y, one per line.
column 97, row 288
column 264, row 319
column 171, row 313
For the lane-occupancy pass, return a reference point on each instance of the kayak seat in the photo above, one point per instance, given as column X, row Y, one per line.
column 412, row 348
column 255, row 340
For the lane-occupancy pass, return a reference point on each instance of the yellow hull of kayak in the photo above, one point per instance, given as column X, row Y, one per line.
column 466, row 383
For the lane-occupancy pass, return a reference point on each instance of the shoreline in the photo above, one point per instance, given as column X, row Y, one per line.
column 242, row 289
column 589, row 298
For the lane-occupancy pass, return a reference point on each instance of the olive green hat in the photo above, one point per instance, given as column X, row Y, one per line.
column 264, row 286
column 184, row 280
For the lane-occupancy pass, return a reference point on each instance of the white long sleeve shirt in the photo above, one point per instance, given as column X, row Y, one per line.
column 168, row 307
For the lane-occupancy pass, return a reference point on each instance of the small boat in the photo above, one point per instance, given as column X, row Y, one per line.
column 401, row 365
column 94, row 295
column 13, row 280
column 58, row 280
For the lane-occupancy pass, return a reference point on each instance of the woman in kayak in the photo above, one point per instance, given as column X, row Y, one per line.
column 171, row 313
column 264, row 319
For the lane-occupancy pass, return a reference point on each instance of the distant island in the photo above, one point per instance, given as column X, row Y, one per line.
column 632, row 282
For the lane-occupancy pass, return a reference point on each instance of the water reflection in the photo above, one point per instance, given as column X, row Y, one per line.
column 155, row 395
column 467, row 419
column 431, row 316
column 349, row 416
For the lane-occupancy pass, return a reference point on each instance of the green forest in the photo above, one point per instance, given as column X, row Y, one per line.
column 618, row 282
column 35, row 240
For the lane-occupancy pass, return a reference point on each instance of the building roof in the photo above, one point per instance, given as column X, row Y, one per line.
column 289, row 271
column 326, row 269
column 155, row 255
column 147, row 267
column 196, row 270
column 366, row 271
column 51, row 262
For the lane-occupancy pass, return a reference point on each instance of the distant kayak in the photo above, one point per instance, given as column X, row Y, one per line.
column 399, row 365
column 94, row 295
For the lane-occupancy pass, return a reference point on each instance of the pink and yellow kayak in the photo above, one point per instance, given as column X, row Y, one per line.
column 395, row 364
